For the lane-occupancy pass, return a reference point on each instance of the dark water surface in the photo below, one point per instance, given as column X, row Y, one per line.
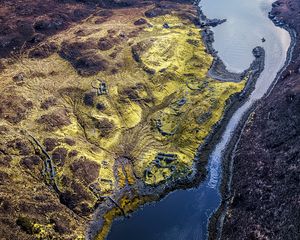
column 181, row 215
column 184, row 215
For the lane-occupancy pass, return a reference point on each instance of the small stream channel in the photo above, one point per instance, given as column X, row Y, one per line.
column 184, row 214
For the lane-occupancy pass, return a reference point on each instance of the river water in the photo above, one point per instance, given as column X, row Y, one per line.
column 184, row 214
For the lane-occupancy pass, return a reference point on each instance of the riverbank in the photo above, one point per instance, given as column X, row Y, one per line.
column 249, row 215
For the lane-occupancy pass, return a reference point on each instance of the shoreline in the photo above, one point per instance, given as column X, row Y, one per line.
column 216, row 221
column 155, row 194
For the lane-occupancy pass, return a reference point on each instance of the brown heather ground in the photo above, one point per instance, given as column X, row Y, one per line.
column 26, row 23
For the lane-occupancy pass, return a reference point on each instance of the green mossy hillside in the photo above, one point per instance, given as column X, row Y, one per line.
column 116, row 103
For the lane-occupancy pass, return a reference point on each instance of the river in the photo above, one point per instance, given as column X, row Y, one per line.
column 184, row 214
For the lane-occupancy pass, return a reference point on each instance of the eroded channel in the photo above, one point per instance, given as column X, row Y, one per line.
column 184, row 214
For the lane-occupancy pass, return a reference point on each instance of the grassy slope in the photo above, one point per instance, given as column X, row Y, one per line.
column 86, row 134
